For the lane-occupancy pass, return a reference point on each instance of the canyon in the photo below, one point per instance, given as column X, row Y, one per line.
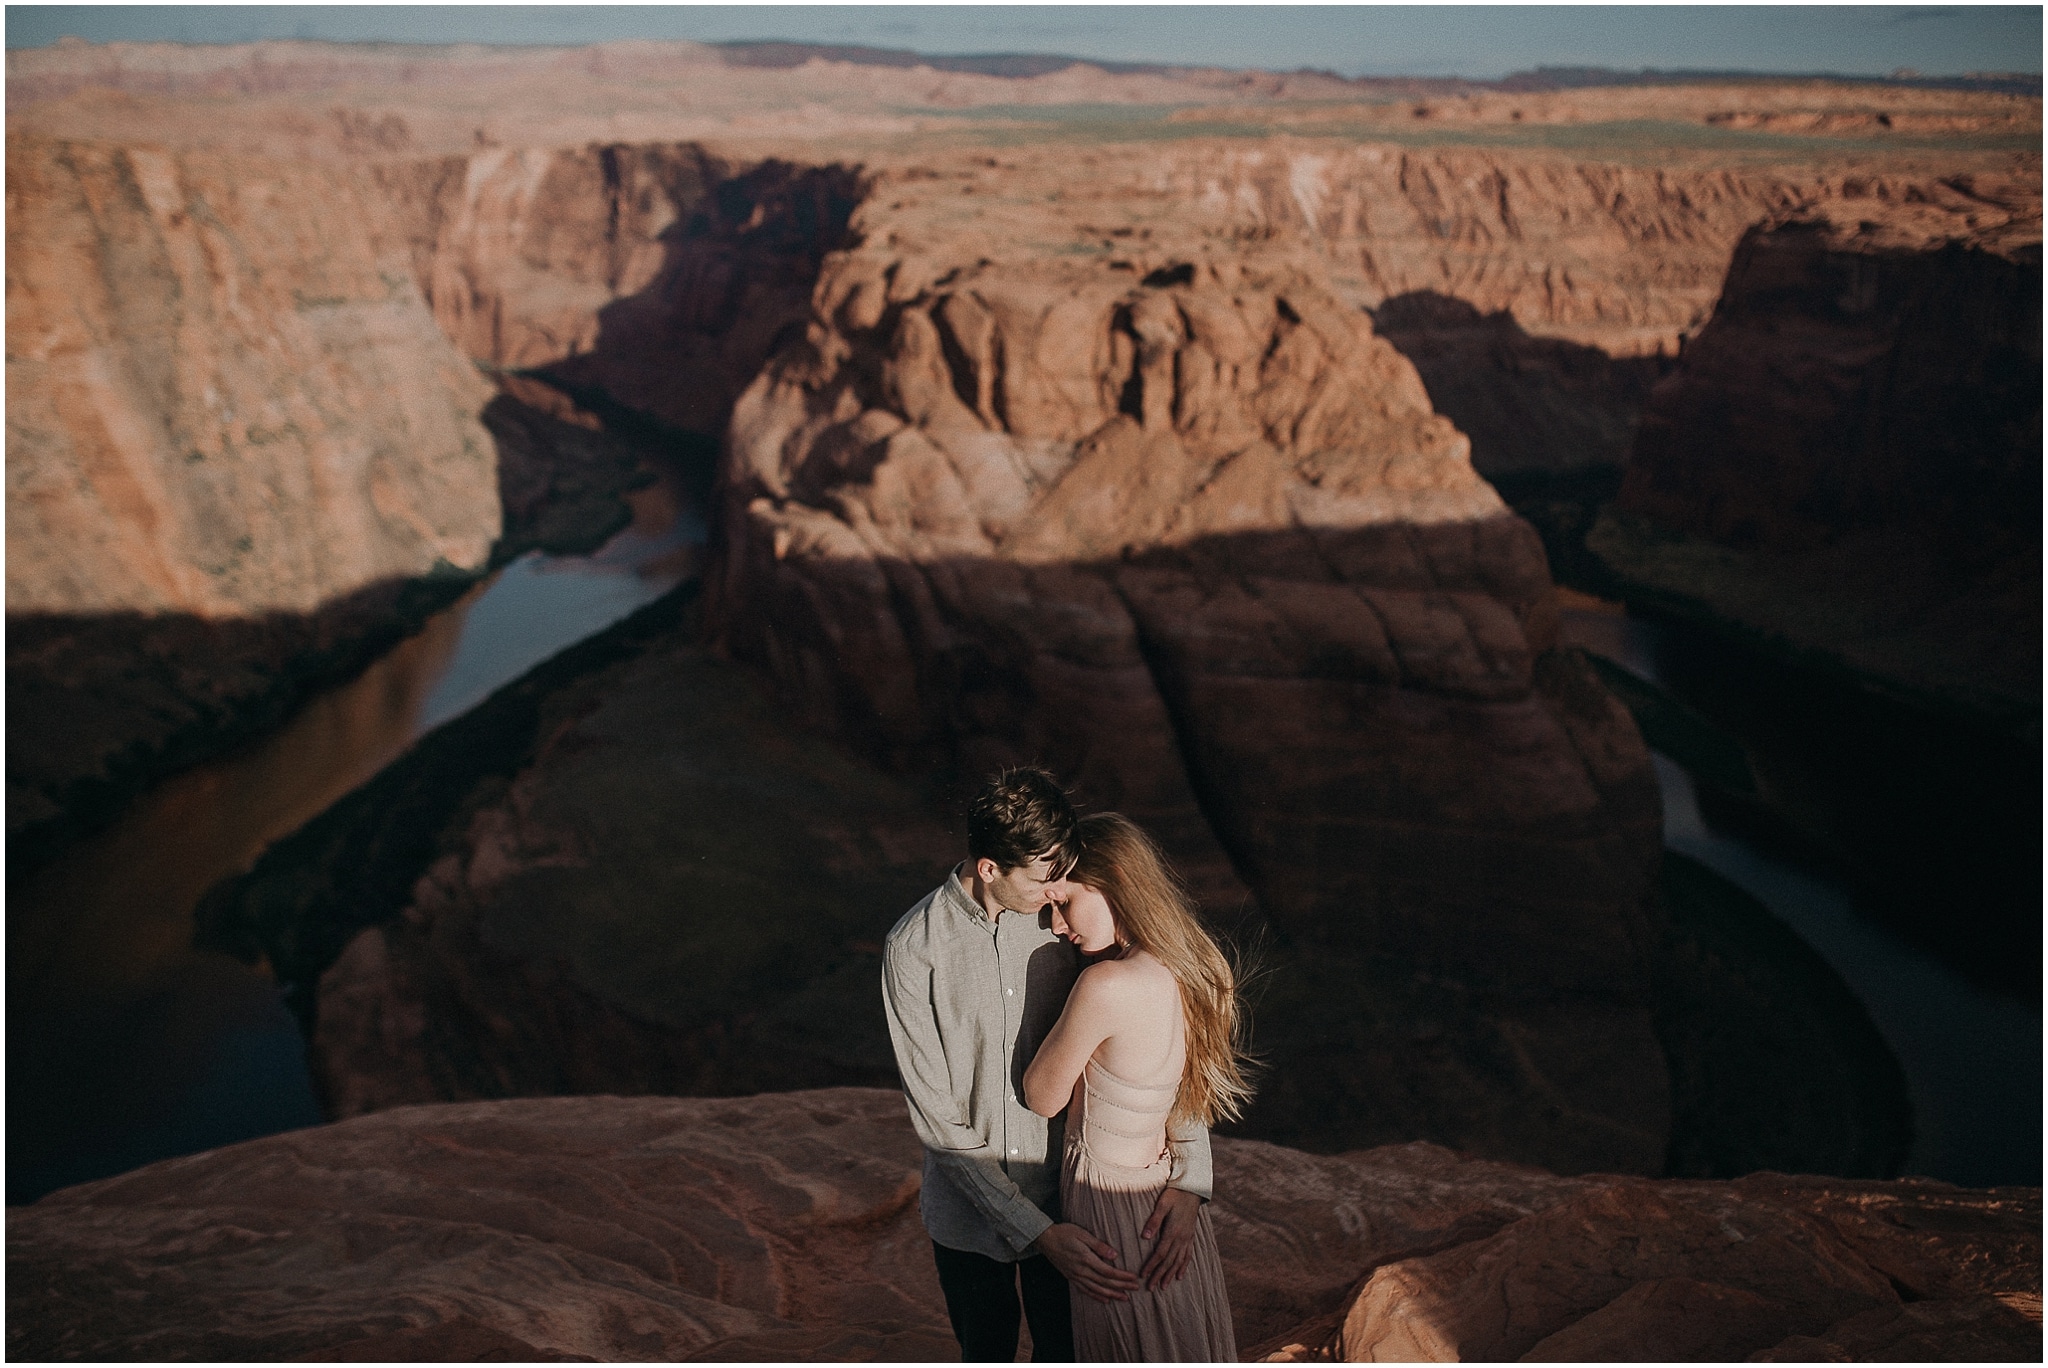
column 1219, row 442
column 161, row 480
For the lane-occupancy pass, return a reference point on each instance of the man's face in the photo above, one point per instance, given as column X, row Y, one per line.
column 1020, row 888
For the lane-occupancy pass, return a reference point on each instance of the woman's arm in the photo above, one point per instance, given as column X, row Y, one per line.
column 1067, row 1048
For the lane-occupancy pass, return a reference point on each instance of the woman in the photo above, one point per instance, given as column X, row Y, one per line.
column 1150, row 1035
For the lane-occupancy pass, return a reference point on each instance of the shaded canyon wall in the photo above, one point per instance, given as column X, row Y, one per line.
column 1241, row 582
column 1837, row 490
column 241, row 458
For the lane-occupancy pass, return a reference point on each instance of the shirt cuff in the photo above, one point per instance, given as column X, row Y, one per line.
column 1030, row 1227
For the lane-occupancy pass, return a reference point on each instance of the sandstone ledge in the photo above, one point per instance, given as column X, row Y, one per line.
column 784, row 1226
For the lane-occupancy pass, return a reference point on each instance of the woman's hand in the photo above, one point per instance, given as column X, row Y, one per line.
column 1173, row 1223
column 1086, row 1263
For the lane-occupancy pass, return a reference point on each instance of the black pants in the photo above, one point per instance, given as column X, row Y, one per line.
column 981, row 1297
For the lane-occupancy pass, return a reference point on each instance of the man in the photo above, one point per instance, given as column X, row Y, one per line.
column 973, row 978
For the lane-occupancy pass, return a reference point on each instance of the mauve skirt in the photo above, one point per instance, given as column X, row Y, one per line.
column 1186, row 1322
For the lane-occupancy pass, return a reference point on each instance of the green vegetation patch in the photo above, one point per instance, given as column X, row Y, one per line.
column 1620, row 139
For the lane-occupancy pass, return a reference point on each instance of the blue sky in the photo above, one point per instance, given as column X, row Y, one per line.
column 1449, row 40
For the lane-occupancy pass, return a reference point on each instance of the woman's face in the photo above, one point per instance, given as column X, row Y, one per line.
column 1081, row 914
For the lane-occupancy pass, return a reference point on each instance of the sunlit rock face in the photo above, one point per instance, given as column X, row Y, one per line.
column 785, row 1227
column 227, row 393
column 242, row 459
column 1192, row 534
column 239, row 385
column 1060, row 452
column 1556, row 242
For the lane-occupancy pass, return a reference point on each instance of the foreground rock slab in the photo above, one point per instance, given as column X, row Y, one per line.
column 785, row 1227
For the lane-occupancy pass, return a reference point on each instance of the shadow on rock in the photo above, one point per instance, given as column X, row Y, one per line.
column 624, row 873
column 1551, row 421
column 102, row 707
column 635, row 871
column 1836, row 496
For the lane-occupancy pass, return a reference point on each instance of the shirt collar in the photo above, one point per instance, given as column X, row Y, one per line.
column 963, row 901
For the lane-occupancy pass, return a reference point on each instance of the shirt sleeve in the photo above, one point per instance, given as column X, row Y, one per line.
column 936, row 1114
column 1193, row 1171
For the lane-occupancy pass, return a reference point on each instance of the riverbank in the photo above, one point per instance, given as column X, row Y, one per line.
column 126, row 1042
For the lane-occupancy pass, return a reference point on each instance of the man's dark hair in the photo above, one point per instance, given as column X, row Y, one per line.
column 1019, row 815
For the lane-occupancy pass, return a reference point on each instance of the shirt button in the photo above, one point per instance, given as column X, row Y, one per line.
column 1009, row 992
column 1013, row 1149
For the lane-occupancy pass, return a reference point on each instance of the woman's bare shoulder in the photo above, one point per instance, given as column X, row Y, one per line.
column 1135, row 973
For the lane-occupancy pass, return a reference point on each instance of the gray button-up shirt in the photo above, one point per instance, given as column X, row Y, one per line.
column 968, row 1003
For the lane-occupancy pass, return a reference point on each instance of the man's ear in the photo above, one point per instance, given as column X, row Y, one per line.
column 985, row 869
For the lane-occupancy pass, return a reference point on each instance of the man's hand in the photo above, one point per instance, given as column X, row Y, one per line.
column 1086, row 1262
column 1173, row 1225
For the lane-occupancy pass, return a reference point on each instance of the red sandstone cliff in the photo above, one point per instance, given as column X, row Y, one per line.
column 658, row 276
column 785, row 1226
column 1839, row 486
column 530, row 255
column 227, row 394
column 1191, row 534
column 238, row 434
column 236, row 443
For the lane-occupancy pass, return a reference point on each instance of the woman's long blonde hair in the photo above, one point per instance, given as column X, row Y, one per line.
column 1154, row 914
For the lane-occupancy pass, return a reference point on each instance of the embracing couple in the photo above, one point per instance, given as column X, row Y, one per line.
column 1067, row 1032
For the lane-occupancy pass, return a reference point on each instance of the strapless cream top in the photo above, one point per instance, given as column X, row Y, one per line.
column 1120, row 1126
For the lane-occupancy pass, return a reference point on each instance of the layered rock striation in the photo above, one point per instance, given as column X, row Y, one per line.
column 785, row 1226
column 1040, row 473
column 252, row 447
column 655, row 278
column 159, row 459
column 1071, row 453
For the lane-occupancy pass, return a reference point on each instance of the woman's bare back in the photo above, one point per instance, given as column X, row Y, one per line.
column 1147, row 1041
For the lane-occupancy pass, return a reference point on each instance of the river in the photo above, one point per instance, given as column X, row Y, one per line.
column 1971, row 1054
column 125, row 1044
